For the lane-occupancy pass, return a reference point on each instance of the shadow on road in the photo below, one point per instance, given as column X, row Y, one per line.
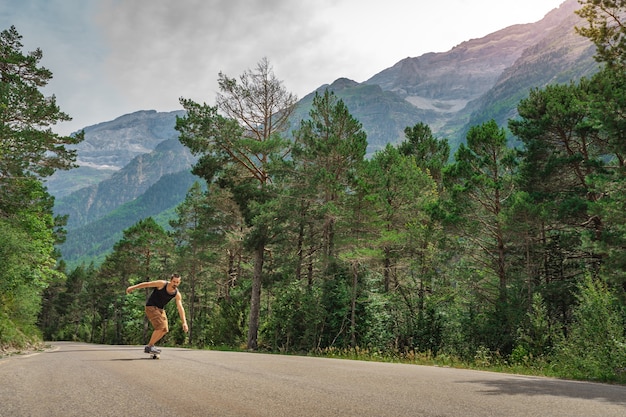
column 64, row 350
column 615, row 394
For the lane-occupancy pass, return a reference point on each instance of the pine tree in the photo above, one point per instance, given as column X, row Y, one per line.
column 481, row 182
column 330, row 148
column 29, row 151
column 236, row 151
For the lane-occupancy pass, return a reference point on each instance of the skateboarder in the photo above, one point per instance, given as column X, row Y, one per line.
column 163, row 292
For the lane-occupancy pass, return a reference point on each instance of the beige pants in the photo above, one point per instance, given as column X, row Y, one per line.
column 157, row 317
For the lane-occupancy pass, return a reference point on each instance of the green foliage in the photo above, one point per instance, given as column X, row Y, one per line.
column 611, row 242
column 143, row 252
column 199, row 229
column 596, row 346
column 328, row 153
column 295, row 322
column 27, row 267
column 334, row 305
column 226, row 324
column 536, row 336
column 27, row 144
column 62, row 314
column 606, row 29
column 482, row 180
column 29, row 150
column 378, row 327
column 431, row 154
column 608, row 101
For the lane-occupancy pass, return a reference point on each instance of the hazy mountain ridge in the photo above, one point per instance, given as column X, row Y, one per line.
column 477, row 80
column 114, row 144
column 93, row 239
column 559, row 57
column 95, row 201
column 110, row 146
column 446, row 82
column 500, row 68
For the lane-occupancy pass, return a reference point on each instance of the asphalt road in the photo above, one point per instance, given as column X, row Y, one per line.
column 75, row 379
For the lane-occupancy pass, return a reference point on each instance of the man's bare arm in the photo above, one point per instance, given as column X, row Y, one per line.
column 148, row 284
column 181, row 312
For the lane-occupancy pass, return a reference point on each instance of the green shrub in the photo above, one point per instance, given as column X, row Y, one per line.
column 595, row 347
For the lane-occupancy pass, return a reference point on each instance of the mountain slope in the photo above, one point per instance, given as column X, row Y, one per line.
column 91, row 203
column 498, row 70
column 383, row 114
column 96, row 239
column 559, row 57
column 110, row 146
column 446, row 82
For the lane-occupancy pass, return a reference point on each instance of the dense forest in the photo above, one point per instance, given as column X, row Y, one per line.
column 492, row 253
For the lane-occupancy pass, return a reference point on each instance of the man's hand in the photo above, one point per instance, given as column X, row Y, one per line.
column 185, row 327
column 129, row 289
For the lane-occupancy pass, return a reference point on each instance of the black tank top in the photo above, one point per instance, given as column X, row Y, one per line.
column 160, row 297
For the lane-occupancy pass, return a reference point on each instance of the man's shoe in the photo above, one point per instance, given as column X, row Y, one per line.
column 153, row 349
column 146, row 349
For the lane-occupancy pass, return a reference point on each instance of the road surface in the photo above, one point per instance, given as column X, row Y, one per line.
column 76, row 379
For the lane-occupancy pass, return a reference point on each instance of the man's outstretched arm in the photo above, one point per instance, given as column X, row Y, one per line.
column 181, row 312
column 147, row 284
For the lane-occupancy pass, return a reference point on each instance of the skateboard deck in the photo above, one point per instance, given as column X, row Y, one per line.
column 154, row 355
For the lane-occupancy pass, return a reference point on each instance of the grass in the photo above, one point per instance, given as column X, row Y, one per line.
column 483, row 360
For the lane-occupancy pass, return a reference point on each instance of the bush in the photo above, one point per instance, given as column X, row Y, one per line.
column 595, row 348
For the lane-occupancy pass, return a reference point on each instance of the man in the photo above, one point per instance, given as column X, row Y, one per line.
column 162, row 294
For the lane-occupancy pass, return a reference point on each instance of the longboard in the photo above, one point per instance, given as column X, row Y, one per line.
column 154, row 355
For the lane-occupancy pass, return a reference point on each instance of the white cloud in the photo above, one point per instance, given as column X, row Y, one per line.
column 112, row 57
column 166, row 52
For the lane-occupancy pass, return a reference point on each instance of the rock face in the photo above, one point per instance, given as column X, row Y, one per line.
column 558, row 57
column 110, row 146
column 95, row 201
column 447, row 81
column 448, row 87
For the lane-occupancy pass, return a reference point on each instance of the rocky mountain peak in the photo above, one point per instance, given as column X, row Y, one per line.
column 447, row 81
column 111, row 145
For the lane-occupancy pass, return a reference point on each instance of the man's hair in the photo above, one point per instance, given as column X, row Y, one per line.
column 175, row 275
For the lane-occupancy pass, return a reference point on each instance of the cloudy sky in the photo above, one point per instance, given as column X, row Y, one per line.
column 113, row 57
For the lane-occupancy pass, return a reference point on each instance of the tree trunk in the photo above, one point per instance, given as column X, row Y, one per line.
column 501, row 267
column 387, row 269
column 255, row 297
column 355, row 283
column 192, row 308
column 300, row 248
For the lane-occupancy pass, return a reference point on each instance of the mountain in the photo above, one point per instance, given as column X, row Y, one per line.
column 127, row 162
column 558, row 57
column 93, row 240
column 450, row 91
column 383, row 114
column 110, row 146
column 130, row 168
column 95, row 201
